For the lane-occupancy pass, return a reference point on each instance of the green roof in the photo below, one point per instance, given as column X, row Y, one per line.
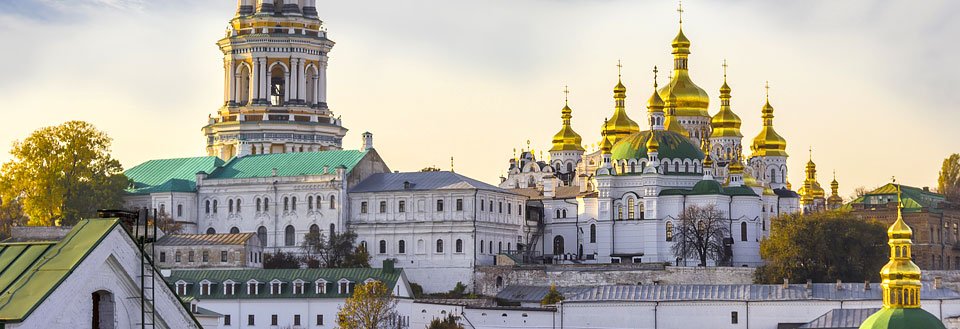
column 914, row 199
column 287, row 276
column 672, row 146
column 711, row 187
column 902, row 318
column 169, row 175
column 288, row 164
column 30, row 271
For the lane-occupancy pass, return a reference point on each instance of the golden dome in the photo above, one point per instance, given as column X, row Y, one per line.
column 725, row 123
column 653, row 145
column 671, row 119
column 655, row 103
column 691, row 99
column 736, row 167
column 769, row 142
column 605, row 146
column 567, row 139
column 620, row 89
column 901, row 277
column 680, row 42
column 620, row 125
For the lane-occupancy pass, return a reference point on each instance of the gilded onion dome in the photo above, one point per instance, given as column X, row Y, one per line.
column 691, row 99
column 673, row 125
column 834, row 189
column 769, row 142
column 725, row 123
column 620, row 125
column 567, row 139
column 811, row 187
column 653, row 145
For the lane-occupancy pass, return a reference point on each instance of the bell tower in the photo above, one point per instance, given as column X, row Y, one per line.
column 275, row 83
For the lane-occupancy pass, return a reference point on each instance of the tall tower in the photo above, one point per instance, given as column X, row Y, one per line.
column 566, row 152
column 275, row 83
column 691, row 100
column 725, row 137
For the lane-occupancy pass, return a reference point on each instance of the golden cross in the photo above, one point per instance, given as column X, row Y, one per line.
column 767, row 85
column 566, row 94
column 655, row 71
column 680, row 10
column 619, row 69
column 724, row 69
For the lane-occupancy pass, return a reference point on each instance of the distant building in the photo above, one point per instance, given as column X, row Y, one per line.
column 283, row 298
column 91, row 278
column 222, row 250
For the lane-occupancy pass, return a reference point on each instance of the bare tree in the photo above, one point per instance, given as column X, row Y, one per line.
column 700, row 234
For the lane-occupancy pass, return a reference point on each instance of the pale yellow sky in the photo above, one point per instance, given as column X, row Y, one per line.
column 870, row 85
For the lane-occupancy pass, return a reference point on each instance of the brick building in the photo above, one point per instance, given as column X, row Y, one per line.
column 935, row 222
column 232, row 250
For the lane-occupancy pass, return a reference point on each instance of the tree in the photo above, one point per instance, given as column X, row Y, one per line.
column 450, row 322
column 949, row 182
column 280, row 259
column 700, row 234
column 338, row 251
column 63, row 173
column 822, row 247
column 552, row 297
column 168, row 225
column 359, row 258
column 11, row 215
column 372, row 306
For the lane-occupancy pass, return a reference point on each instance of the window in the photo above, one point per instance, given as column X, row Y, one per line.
column 490, row 246
column 619, row 212
column 669, row 230
column 321, row 286
column 519, row 210
column 238, row 205
column 459, row 204
column 319, row 319
column 262, row 236
column 631, row 208
column 344, row 287
column 273, row 320
column 286, row 204
column 289, row 238
column 103, row 309
column 266, row 204
column 558, row 245
column 296, row 319
column 319, row 198
column 509, row 208
column 163, row 257
column 439, row 205
column 402, row 206
column 250, row 320
column 401, row 247
column 481, row 205
column 229, row 287
column 181, row 288
column 383, row 247
column 333, row 229
column 383, row 207
column 176, row 257
column 593, row 233
column 500, row 206
column 491, row 206
column 223, row 256
column 230, row 206
column 190, row 257
column 211, row 230
column 459, row 246
column 259, row 205
column 204, row 287
column 298, row 287
column 179, row 210
column 205, row 256
column 734, row 318
column 214, row 206
column 234, row 230
column 363, row 207
column 226, row 319
column 439, row 245
column 293, row 203
column 207, row 207
column 743, row 231
column 500, row 247
column 481, row 246
column 310, row 202
column 276, row 287
column 332, row 202
column 253, row 287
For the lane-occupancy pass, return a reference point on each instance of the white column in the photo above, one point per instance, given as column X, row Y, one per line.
column 316, row 90
column 231, row 82
column 264, row 86
column 286, row 86
column 301, row 80
column 227, row 80
column 322, row 95
column 237, row 84
column 253, row 88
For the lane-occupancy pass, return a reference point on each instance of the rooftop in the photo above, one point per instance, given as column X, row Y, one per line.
column 169, row 175
column 287, row 276
column 914, row 199
column 221, row 239
column 422, row 181
column 288, row 164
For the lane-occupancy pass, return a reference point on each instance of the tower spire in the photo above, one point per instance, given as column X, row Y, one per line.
column 680, row 11
column 655, row 106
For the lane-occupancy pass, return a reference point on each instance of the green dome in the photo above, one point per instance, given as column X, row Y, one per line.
column 902, row 318
column 707, row 187
column 672, row 146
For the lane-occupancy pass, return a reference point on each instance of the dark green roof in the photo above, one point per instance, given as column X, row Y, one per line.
column 711, row 187
column 902, row 318
column 288, row 164
column 287, row 276
column 914, row 199
column 169, row 175
column 30, row 271
column 672, row 146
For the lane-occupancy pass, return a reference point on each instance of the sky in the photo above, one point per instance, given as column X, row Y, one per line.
column 870, row 85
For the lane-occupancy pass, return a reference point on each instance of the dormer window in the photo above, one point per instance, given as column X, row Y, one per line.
column 181, row 288
column 369, row 280
column 321, row 286
column 205, row 287
column 229, row 288
column 276, row 286
column 253, row 287
column 298, row 287
column 343, row 286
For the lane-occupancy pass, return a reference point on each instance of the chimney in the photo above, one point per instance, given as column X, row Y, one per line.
column 786, row 283
column 839, row 284
column 926, row 189
column 388, row 266
column 326, row 170
column 809, row 284
column 274, row 172
column 367, row 141
column 937, row 282
column 201, row 175
column 866, row 285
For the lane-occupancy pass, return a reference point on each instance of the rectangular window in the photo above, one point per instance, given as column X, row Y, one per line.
column 226, row 319
column 163, row 257
column 223, row 256
column 383, row 207
column 482, row 205
column 500, row 206
column 190, row 256
column 250, row 320
column 228, row 288
column 177, row 257
column 296, row 319
column 734, row 318
column 402, row 207
column 273, row 320
column 509, row 208
column 439, row 205
column 459, row 204
column 363, row 207
column 205, row 257
column 319, row 319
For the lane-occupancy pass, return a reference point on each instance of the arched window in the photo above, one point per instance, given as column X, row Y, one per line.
column 490, row 246
column 508, row 247
column 743, row 231
column 631, row 208
column 564, row 213
column 633, row 167
column 481, row 246
column 214, row 206
column 640, row 211
column 230, row 206
column 669, row 231
column 310, row 202
column 773, row 175
column 558, row 245
column 593, row 233
column 266, row 204
column 620, row 212
column 439, row 245
column 499, row 282
column 569, row 167
column 103, row 310
column 311, row 79
column 383, row 246
column 278, row 88
column 243, row 85
column 315, row 230
column 262, row 235
column 238, row 205
column 293, row 204
column 286, row 204
column 558, row 213
column 259, row 205
column 179, row 210
column 319, row 199
column 207, row 207
column 420, row 246
column 211, row 231
column 500, row 247
column 401, row 247
column 333, row 203
column 289, row 237
column 234, row 230
column 459, row 246
column 333, row 229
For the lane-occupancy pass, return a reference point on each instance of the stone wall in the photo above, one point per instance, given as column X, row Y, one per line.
column 489, row 280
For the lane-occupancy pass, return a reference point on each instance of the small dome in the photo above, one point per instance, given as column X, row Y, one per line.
column 567, row 139
column 671, row 145
column 708, row 186
column 902, row 318
column 655, row 103
column 680, row 41
column 619, row 88
column 725, row 123
column 769, row 142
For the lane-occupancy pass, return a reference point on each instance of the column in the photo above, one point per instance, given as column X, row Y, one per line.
column 227, row 80
column 253, row 89
column 231, row 83
column 322, row 95
column 301, row 81
column 286, row 87
column 316, row 90
column 264, row 85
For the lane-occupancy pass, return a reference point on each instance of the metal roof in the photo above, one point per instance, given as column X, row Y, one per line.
column 422, row 181
column 746, row 292
column 30, row 271
column 169, row 175
column 841, row 318
column 534, row 294
column 205, row 239
column 287, row 276
column 288, row 164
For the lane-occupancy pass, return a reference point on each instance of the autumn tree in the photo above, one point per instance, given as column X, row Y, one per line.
column 372, row 306
column 699, row 233
column 63, row 173
column 11, row 215
column 450, row 322
column 280, row 259
column 949, row 182
column 337, row 251
column 822, row 247
column 552, row 297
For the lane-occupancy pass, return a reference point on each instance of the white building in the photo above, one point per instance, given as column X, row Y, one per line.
column 91, row 278
column 283, row 298
column 437, row 225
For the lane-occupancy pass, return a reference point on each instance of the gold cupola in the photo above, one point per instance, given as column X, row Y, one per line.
column 725, row 123
column 566, row 139
column 691, row 99
column 619, row 125
column 901, row 277
column 655, row 106
column 672, row 123
column 768, row 142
